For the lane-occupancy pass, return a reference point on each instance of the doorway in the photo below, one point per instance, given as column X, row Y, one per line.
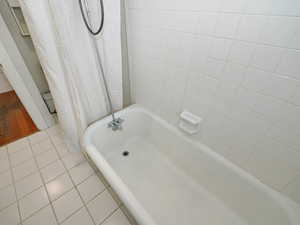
column 15, row 122
column 22, row 83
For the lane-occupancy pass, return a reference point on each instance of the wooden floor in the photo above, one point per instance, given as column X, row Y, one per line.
column 15, row 122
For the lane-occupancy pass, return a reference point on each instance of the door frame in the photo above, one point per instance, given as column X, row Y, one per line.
column 21, row 80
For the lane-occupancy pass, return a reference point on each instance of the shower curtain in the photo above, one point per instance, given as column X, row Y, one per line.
column 66, row 52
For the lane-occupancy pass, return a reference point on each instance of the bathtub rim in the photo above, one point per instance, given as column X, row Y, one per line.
column 288, row 205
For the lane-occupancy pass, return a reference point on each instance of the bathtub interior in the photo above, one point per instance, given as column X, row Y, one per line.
column 248, row 199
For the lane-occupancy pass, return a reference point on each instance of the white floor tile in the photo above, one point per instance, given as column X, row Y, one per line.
column 42, row 146
column 33, row 202
column 55, row 130
column 72, row 159
column 67, row 204
column 53, row 170
column 80, row 172
column 62, row 149
column 46, row 158
column 4, row 165
column 90, row 188
column 57, row 140
column 24, row 169
column 10, row 215
column 3, row 153
column 101, row 207
column 79, row 218
column 18, row 145
column 38, row 137
column 59, row 186
column 28, row 184
column 20, row 156
column 5, row 179
column 42, row 217
column 7, row 196
column 118, row 218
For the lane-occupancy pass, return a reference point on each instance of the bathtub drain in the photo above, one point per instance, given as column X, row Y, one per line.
column 125, row 153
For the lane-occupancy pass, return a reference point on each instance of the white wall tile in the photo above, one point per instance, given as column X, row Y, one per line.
column 290, row 64
column 233, row 62
column 295, row 97
column 213, row 67
column 241, row 52
column 179, row 21
column 233, row 5
column 250, row 27
column 279, row 30
column 266, row 57
column 286, row 7
column 220, row 48
column 270, row 84
column 227, row 25
column 233, row 74
column 259, row 6
column 295, row 40
column 199, row 94
column 206, row 23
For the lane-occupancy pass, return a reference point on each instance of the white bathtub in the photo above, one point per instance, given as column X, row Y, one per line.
column 168, row 179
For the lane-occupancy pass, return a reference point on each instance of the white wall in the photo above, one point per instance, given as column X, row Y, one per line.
column 25, row 47
column 21, row 80
column 4, row 84
column 236, row 63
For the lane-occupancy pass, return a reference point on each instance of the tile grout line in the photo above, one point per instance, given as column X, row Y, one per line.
column 44, row 184
column 15, row 189
column 75, row 187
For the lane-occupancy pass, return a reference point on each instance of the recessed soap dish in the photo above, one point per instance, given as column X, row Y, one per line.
column 189, row 122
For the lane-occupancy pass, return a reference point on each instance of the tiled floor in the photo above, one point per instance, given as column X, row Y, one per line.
column 42, row 183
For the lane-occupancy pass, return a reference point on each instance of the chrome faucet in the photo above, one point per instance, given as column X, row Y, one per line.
column 115, row 124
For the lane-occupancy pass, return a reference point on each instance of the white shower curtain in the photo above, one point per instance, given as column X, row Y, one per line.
column 67, row 55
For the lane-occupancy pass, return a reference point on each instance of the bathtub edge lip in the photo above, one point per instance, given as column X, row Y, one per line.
column 285, row 203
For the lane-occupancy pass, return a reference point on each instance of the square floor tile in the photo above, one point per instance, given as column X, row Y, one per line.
column 5, row 179
column 62, row 149
column 67, row 204
column 18, row 145
column 4, row 165
column 33, row 202
column 57, row 140
column 3, row 153
column 118, row 218
column 79, row 218
column 38, row 137
column 7, row 196
column 10, row 215
column 128, row 215
column 20, row 156
column 101, row 207
column 54, row 131
column 42, row 146
column 43, row 217
column 46, row 158
column 59, row 186
column 90, row 188
column 53, row 170
column 24, row 169
column 72, row 159
column 28, row 184
column 80, row 172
